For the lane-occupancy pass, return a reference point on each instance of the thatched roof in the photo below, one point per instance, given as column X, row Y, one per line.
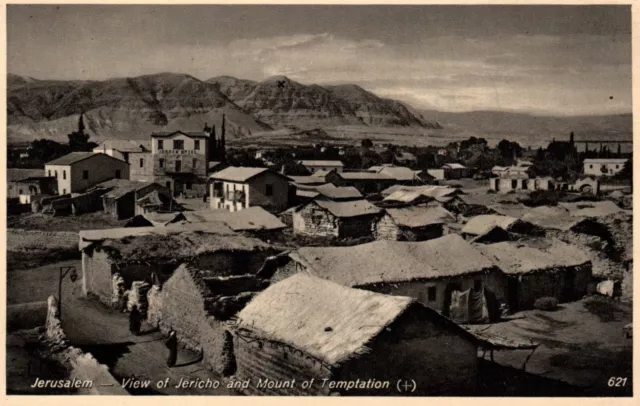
column 250, row 219
column 591, row 209
column 333, row 192
column 351, row 208
column 550, row 217
column 393, row 261
column 516, row 210
column 481, row 224
column 171, row 243
column 417, row 216
column 516, row 258
column 327, row 321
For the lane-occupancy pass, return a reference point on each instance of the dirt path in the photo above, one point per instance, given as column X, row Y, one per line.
column 105, row 334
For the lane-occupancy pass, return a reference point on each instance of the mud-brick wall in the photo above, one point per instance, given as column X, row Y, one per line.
column 552, row 283
column 313, row 221
column 97, row 275
column 257, row 359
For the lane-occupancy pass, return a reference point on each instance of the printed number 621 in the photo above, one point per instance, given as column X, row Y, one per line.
column 616, row 382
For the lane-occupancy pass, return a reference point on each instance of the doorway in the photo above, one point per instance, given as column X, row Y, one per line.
column 512, row 294
column 451, row 287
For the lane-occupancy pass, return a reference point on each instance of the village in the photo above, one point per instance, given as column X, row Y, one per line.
column 445, row 281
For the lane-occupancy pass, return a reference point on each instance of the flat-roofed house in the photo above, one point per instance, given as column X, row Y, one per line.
column 324, row 165
column 307, row 328
column 335, row 219
column 236, row 188
column 604, row 166
column 78, row 171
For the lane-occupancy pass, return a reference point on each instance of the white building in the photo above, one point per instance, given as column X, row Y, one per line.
column 603, row 166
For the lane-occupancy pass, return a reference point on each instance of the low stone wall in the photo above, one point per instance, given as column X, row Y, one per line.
column 19, row 239
column 82, row 366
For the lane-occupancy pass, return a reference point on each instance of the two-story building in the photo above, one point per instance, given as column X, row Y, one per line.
column 78, row 171
column 179, row 161
column 236, row 188
column 123, row 149
column 603, row 166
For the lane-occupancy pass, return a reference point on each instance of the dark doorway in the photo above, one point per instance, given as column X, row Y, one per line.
column 512, row 294
column 569, row 285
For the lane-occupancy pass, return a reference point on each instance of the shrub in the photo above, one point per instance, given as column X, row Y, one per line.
column 546, row 303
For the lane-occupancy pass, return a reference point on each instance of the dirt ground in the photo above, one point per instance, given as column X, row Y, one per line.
column 581, row 344
column 39, row 221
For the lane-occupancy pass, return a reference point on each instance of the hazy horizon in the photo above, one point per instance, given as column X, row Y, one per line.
column 537, row 60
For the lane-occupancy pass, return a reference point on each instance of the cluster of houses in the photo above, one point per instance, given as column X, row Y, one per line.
column 427, row 261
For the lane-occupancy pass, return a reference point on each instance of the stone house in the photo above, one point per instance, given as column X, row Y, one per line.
column 78, row 171
column 197, row 303
column 428, row 271
column 124, row 150
column 548, row 268
column 455, row 171
column 26, row 189
column 236, row 188
column 306, row 328
column 341, row 219
column 365, row 182
column 412, row 223
column 122, row 196
column 140, row 254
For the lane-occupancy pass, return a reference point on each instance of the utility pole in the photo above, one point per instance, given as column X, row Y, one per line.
column 64, row 270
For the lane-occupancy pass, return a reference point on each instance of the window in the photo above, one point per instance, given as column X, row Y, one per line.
column 64, row 191
column 196, row 145
column 118, row 174
column 161, row 163
column 617, row 166
column 168, row 184
column 188, row 185
column 525, row 184
column 590, row 166
column 477, row 285
column 195, row 163
column 160, row 144
column 431, row 293
column 269, row 190
column 514, row 183
column 56, row 172
column 178, row 166
column 64, row 174
column 178, row 144
column 85, row 175
column 49, row 172
column 19, row 191
column 141, row 163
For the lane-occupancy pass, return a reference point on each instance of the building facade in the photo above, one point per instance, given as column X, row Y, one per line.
column 78, row 171
column 603, row 167
column 237, row 188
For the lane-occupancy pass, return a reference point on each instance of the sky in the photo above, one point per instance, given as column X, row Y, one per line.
column 558, row 60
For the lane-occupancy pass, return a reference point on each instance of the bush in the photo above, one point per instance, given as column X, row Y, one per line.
column 546, row 303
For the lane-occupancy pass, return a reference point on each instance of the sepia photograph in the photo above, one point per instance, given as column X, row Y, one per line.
column 319, row 200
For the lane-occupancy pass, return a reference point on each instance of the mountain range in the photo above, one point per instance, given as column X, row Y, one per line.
column 276, row 108
column 134, row 107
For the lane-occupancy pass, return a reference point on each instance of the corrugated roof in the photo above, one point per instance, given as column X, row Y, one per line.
column 415, row 216
column 515, row 258
column 74, row 157
column 327, row 321
column 393, row 261
column 481, row 224
column 125, row 145
column 333, row 192
column 238, row 173
column 311, row 162
column 351, row 208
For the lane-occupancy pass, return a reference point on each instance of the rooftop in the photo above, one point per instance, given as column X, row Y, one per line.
column 125, row 145
column 311, row 162
column 605, row 160
column 121, row 187
column 400, row 173
column 481, row 224
column 591, row 209
column 393, row 261
column 327, row 321
column 192, row 134
column 515, row 258
column 75, row 157
column 334, row 192
column 364, row 176
column 238, row 173
column 454, row 165
column 250, row 219
column 415, row 216
column 351, row 208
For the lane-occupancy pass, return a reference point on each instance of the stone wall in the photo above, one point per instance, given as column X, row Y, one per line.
column 26, row 315
column 81, row 366
column 18, row 239
column 386, row 229
column 97, row 275
column 355, row 227
column 313, row 221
